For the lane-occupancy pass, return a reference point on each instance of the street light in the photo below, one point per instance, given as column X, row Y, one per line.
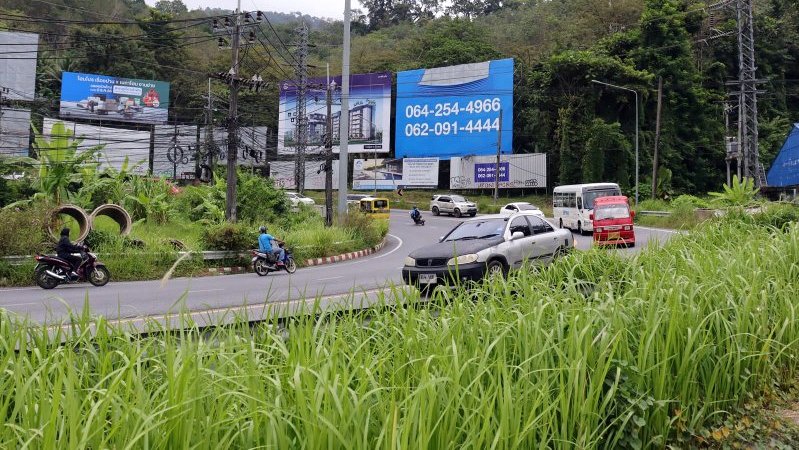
column 636, row 129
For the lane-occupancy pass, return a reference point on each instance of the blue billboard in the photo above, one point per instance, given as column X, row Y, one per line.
column 454, row 111
column 103, row 97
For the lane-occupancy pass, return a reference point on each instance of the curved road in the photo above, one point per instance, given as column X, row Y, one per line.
column 211, row 299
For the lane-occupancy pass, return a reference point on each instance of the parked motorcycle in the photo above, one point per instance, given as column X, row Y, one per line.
column 263, row 262
column 50, row 271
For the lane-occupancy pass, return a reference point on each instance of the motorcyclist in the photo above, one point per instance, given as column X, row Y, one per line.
column 65, row 250
column 415, row 214
column 265, row 245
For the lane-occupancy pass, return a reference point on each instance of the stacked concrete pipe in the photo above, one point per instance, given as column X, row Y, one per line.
column 117, row 213
column 75, row 212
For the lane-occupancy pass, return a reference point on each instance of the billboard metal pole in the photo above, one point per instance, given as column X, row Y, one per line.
column 344, row 134
column 499, row 151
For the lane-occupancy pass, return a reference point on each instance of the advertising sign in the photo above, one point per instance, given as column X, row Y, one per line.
column 18, row 66
column 486, row 172
column 118, row 144
column 515, row 172
column 389, row 174
column 283, row 174
column 369, row 115
column 101, row 97
column 455, row 111
column 419, row 173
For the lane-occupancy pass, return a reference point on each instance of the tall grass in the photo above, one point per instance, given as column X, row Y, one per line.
column 594, row 351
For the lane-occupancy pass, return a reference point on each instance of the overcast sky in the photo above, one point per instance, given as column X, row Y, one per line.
column 320, row 8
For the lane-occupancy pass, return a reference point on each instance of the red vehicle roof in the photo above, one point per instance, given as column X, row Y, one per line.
column 612, row 200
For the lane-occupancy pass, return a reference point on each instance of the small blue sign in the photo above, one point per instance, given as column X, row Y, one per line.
column 485, row 172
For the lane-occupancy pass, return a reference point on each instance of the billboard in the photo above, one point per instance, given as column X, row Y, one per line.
column 102, row 97
column 455, row 111
column 283, row 174
column 369, row 115
column 18, row 66
column 15, row 131
column 389, row 174
column 119, row 143
column 515, row 172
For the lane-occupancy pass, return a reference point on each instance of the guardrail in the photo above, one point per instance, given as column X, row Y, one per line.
column 654, row 213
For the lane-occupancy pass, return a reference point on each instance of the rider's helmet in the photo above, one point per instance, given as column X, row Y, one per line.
column 262, row 229
column 65, row 231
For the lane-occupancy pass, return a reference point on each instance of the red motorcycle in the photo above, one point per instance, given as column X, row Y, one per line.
column 51, row 271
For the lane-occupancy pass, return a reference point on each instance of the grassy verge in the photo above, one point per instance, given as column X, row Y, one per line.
column 149, row 253
column 594, row 351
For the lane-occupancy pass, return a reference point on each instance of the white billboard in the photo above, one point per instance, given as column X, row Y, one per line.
column 119, row 144
column 515, row 171
column 15, row 131
column 283, row 173
column 18, row 68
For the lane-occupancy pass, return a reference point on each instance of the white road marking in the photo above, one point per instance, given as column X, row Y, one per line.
column 205, row 290
column 329, row 278
column 18, row 289
column 18, row 304
column 662, row 230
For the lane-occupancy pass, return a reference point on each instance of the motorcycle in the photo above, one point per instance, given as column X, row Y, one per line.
column 265, row 262
column 50, row 271
column 418, row 220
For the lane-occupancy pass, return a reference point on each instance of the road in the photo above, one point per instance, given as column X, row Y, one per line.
column 209, row 298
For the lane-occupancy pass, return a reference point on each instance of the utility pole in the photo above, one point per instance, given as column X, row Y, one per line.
column 232, row 123
column 657, row 139
column 301, row 113
column 329, row 157
column 344, row 134
column 209, row 132
column 499, row 150
column 748, row 93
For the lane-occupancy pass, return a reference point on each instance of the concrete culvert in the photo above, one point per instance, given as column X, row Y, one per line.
column 116, row 213
column 75, row 212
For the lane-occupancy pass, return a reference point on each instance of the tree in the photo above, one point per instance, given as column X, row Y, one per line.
column 171, row 7
column 447, row 42
column 60, row 162
column 607, row 153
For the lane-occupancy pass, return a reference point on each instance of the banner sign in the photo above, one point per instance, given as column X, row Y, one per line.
column 390, row 174
column 102, row 97
column 369, row 114
column 419, row 173
column 455, row 111
column 515, row 172
column 486, row 172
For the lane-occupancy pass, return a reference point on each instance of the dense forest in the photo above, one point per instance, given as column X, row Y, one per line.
column 559, row 47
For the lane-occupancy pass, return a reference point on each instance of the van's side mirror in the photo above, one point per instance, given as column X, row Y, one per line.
column 591, row 216
column 632, row 214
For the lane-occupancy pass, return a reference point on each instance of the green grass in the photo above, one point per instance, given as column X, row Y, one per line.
column 595, row 351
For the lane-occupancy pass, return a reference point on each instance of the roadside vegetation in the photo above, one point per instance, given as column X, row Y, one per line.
column 167, row 218
column 595, row 351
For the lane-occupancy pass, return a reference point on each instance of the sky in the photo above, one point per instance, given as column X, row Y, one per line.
column 320, row 8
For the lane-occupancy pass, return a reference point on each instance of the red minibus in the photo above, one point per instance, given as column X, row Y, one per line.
column 613, row 221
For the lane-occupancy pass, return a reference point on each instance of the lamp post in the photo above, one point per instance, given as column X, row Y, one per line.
column 636, row 128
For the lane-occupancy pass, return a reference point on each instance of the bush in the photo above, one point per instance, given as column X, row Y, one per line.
column 230, row 236
column 653, row 205
column 259, row 199
column 689, row 200
column 370, row 231
column 189, row 199
column 778, row 216
column 24, row 230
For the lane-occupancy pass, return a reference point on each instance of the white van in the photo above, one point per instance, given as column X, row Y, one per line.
column 573, row 204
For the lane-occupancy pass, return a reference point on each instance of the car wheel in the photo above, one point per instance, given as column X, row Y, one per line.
column 495, row 269
column 560, row 253
column 458, row 213
column 435, row 211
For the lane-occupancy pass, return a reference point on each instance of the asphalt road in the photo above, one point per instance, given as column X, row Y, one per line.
column 209, row 299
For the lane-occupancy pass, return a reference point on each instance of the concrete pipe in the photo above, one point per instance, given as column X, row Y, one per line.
column 75, row 212
column 118, row 214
